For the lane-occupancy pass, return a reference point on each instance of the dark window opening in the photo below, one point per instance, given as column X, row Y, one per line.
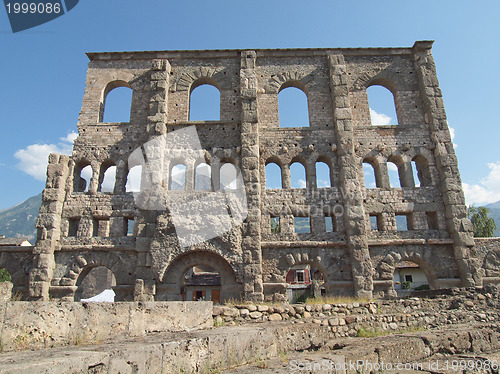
column 275, row 225
column 73, row 227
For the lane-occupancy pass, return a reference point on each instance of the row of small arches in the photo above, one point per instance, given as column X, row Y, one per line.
column 108, row 181
column 204, row 105
column 394, row 173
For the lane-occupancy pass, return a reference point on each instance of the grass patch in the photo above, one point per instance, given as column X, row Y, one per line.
column 337, row 300
column 373, row 333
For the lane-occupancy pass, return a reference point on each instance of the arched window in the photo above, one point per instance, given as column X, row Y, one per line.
column 323, row 176
column 273, row 176
column 204, row 103
column 107, row 177
column 382, row 106
column 297, row 175
column 178, row 178
column 228, row 174
column 421, row 173
column 202, row 177
column 394, row 175
column 134, row 178
column 83, row 174
column 293, row 108
column 117, row 103
column 371, row 174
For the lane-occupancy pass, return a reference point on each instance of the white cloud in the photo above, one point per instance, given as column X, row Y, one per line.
column 34, row 158
column 452, row 135
column 488, row 189
column 392, row 166
column 301, row 183
column 379, row 119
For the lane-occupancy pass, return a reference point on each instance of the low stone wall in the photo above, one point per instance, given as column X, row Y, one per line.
column 34, row 325
column 456, row 306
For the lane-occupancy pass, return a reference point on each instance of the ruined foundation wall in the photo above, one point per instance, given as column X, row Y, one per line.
column 81, row 226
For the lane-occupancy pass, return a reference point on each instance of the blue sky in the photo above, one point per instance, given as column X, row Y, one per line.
column 43, row 69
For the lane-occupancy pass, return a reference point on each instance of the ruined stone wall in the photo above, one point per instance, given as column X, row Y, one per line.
column 252, row 260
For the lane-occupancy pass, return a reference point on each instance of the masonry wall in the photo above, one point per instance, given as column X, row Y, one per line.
column 251, row 259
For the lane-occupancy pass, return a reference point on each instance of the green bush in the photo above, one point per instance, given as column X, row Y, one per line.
column 5, row 276
column 423, row 287
column 406, row 285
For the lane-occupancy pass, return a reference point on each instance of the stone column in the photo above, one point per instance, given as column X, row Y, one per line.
column 144, row 287
column 251, row 245
column 49, row 226
column 354, row 214
column 457, row 222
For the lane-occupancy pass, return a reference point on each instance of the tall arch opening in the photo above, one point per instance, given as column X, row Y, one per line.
column 298, row 175
column 203, row 177
column 134, row 178
column 382, row 105
column 293, row 107
column 394, row 174
column 82, row 176
column 178, row 178
column 421, row 172
column 323, row 174
column 107, row 177
column 204, row 102
column 228, row 176
column 371, row 173
column 95, row 284
column 273, row 176
column 117, row 102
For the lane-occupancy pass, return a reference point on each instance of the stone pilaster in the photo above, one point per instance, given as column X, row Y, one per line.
column 145, row 286
column 354, row 216
column 49, row 226
column 458, row 224
column 251, row 245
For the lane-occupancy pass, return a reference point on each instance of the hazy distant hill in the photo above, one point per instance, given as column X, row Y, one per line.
column 19, row 221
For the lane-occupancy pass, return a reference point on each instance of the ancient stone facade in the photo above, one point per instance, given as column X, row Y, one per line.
column 81, row 227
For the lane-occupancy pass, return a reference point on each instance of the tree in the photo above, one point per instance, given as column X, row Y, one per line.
column 483, row 225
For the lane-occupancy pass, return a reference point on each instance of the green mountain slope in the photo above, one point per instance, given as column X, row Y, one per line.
column 19, row 221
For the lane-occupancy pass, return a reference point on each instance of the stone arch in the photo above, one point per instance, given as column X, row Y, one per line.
column 297, row 257
column 81, row 277
column 202, row 75
column 110, row 86
column 172, row 281
column 122, row 267
column 18, row 269
column 381, row 77
column 385, row 269
column 287, row 79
